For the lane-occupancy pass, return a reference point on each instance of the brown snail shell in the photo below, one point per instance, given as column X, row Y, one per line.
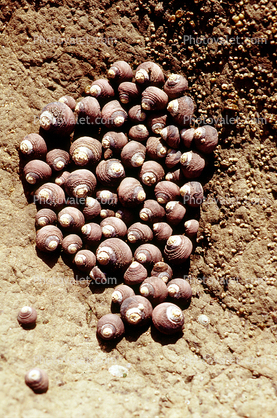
column 57, row 118
column 36, row 171
column 139, row 233
column 152, row 211
column 50, row 195
column 168, row 318
column 151, row 173
column 166, row 191
column 192, row 164
column 187, row 135
column 49, row 238
column 61, row 178
column 71, row 218
column 101, row 89
column 110, row 172
column 130, row 192
column 107, row 197
column 113, row 114
column 155, row 148
column 106, row 213
column 113, row 227
column 92, row 233
column 114, row 141
column 154, row 289
column 191, row 227
column 86, row 150
column 175, row 86
column 120, row 71
column 162, row 231
column 172, row 157
column 37, row 380
column 138, row 133
column 33, row 145
column 181, row 110
column 98, row 275
column 148, row 254
column 179, row 289
column 136, row 310
column 122, row 292
column 58, row 159
column 163, row 271
column 27, row 316
column 45, row 217
column 149, row 73
column 171, row 136
column 126, row 215
column 156, row 121
column 110, row 326
column 153, row 98
column 136, row 114
column 135, row 274
column 177, row 250
column 92, row 208
column 206, row 139
column 192, row 193
column 133, row 154
column 88, row 111
column 128, row 92
column 72, row 243
column 80, row 183
column 175, row 175
column 175, row 212
column 114, row 253
column 85, row 260
column 69, row 101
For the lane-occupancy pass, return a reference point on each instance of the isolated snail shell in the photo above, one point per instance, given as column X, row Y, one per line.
column 192, row 193
column 153, row 98
column 128, row 92
column 187, row 135
column 192, row 164
column 136, row 114
column 71, row 244
column 88, row 111
column 130, row 192
column 156, row 149
column 177, row 250
column 113, row 114
column 120, row 71
column 166, row 191
column 86, row 150
column 154, row 289
column 175, row 175
column 168, row 318
column 92, row 233
column 113, row 227
column 92, row 208
column 106, row 213
column 33, row 145
column 49, row 238
column 174, row 212
column 85, row 260
column 61, row 178
column 122, row 292
column 162, row 270
column 80, row 183
column 171, row 136
column 135, row 274
column 110, row 326
column 114, row 253
column 57, row 118
column 36, row 171
column 58, row 159
column 152, row 211
column 98, row 275
column 27, row 316
column 181, row 110
column 126, row 215
column 101, row 89
column 191, row 227
column 162, row 231
column 138, row 133
column 136, row 310
column 156, row 121
column 114, row 140
column 172, row 157
column 71, row 218
column 179, row 289
column 106, row 197
column 175, row 86
column 45, row 217
column 139, row 233
column 69, row 101
column 148, row 254
column 133, row 154
column 151, row 173
column 110, row 172
column 37, row 380
column 206, row 139
column 50, row 195
column 149, row 73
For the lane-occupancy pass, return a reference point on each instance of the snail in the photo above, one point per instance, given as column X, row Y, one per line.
column 154, row 289
column 135, row 274
column 71, row 218
column 33, row 145
column 106, row 213
column 187, row 135
column 88, row 111
column 139, row 233
column 114, row 253
column 138, row 133
column 92, row 208
column 174, row 212
column 113, row 227
column 120, row 71
column 206, row 139
column 155, row 148
column 175, row 86
column 50, row 195
column 162, row 270
column 130, row 192
column 71, row 244
column 136, row 114
column 27, row 316
column 191, row 227
column 175, row 175
column 69, row 101
column 85, row 260
column 101, row 89
column 106, row 197
column 92, row 233
column 162, row 231
column 128, row 92
column 97, row 275
column 148, row 254
column 152, row 211
column 153, row 98
column 114, row 141
column 45, row 217
column 179, row 289
column 110, row 326
column 61, row 178
column 122, row 292
column 181, row 110
column 86, row 150
column 192, row 193
column 172, row 157
column 110, row 172
column 36, row 171
column 149, row 73
column 133, row 154
column 37, row 380
column 168, row 318
column 57, row 118
column 151, row 173
column 49, row 238
column 156, row 121
column 57, row 159
column 113, row 114
column 166, row 191
column 126, row 215
column 136, row 310
column 177, row 250
column 171, row 135
column 192, row 164
column 80, row 183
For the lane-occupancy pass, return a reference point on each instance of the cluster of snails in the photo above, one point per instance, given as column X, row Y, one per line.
column 119, row 198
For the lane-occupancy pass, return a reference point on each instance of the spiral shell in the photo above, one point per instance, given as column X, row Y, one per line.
column 162, row 231
column 152, row 211
column 27, row 316
column 193, row 194
column 122, row 292
column 36, row 171
column 175, row 212
column 85, row 260
column 126, row 215
column 187, row 135
column 162, row 270
column 92, row 233
column 181, row 110
column 168, row 318
column 175, row 86
column 179, row 289
column 114, row 253
column 206, row 139
column 175, row 175
column 148, row 254
column 135, row 274
column 133, row 154
column 69, row 101
column 101, row 89
column 151, row 173
column 86, row 150
column 120, row 71
column 172, row 157
column 58, row 119
column 192, row 164
column 171, row 136
column 106, row 213
column 154, row 289
column 107, row 197
column 97, row 275
column 80, row 183
column 49, row 238
column 92, row 208
column 50, row 195
column 136, row 114
column 71, row 244
column 139, row 233
column 113, row 227
column 136, row 310
column 61, row 178
column 166, row 191
column 113, row 114
column 153, row 98
column 114, row 140
column 58, row 159
column 155, row 148
column 128, row 92
column 191, row 227
column 33, row 145
column 110, row 172
column 149, row 73
column 110, row 326
column 71, row 218
column 45, row 217
column 156, row 121
column 37, row 380
column 130, row 192
column 88, row 111
column 177, row 250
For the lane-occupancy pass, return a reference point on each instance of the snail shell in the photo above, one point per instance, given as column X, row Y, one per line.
column 69, row 101
column 133, row 154
column 128, row 92
column 166, row 191
column 175, row 212
column 139, row 233
column 138, row 133
column 152, row 211
column 110, row 172
column 106, row 213
column 92, row 233
column 177, row 250
column 114, row 253
column 49, row 238
column 101, row 89
column 136, row 310
column 155, row 148
column 92, row 208
column 135, row 274
column 72, row 243
column 130, row 192
column 172, row 158
column 58, row 159
column 110, row 326
column 162, row 231
column 148, row 254
column 193, row 194
column 126, row 215
column 36, row 171
column 206, row 139
column 175, row 86
column 156, row 121
column 192, row 164
column 136, row 114
column 98, row 275
column 50, row 195
column 27, row 316
column 191, row 227
column 37, row 380
column 85, row 260
column 179, row 289
column 168, row 318
column 71, row 218
column 86, row 150
column 61, row 178
column 114, row 141
column 171, row 136
column 33, row 145
column 181, row 110
column 175, row 176
column 107, row 197
column 120, row 71
column 57, row 118
column 149, row 73
column 154, row 289
column 113, row 227
column 187, row 135
column 151, row 173
column 153, row 98
column 45, row 217
column 113, row 114
column 80, row 183
column 122, row 292
column 162, row 270
column 88, row 111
